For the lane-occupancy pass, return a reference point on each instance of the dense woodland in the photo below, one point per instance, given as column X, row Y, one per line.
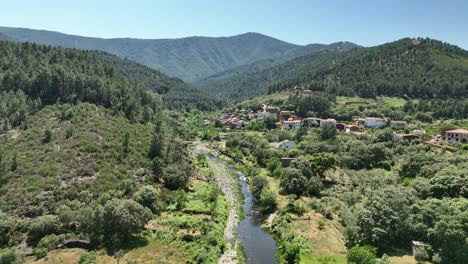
column 419, row 68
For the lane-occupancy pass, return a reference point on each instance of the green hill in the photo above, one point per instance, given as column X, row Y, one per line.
column 420, row 68
column 191, row 58
column 176, row 94
column 254, row 79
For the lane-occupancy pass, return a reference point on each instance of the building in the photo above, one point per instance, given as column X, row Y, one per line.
column 292, row 124
column 419, row 132
column 310, row 92
column 313, row 120
column 409, row 137
column 285, row 162
column 329, row 121
column 457, row 136
column 340, row 126
column 398, row 124
column 273, row 110
column 374, row 122
column 287, row 144
column 352, row 128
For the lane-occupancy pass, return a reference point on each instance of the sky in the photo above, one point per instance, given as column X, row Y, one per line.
column 364, row 22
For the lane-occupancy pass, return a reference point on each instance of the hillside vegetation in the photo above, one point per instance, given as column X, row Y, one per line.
column 251, row 80
column 176, row 94
column 189, row 58
column 421, row 68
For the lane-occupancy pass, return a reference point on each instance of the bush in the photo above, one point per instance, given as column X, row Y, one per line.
column 49, row 242
column 268, row 200
column 420, row 254
column 361, row 255
column 436, row 259
column 10, row 256
column 321, row 224
column 43, row 226
column 87, row 258
column 147, row 196
column 40, row 252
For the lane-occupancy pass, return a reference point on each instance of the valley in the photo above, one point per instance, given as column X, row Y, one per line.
column 241, row 149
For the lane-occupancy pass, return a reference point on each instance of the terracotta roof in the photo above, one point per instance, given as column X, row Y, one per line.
column 460, row 130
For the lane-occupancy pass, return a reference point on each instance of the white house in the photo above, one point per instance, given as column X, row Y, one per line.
column 375, row 122
column 287, row 144
column 327, row 122
column 294, row 125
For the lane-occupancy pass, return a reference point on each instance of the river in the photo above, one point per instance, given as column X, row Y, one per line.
column 258, row 245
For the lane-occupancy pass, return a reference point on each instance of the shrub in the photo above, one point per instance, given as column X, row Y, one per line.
column 321, row 224
column 10, row 256
column 43, row 226
column 436, row 259
column 420, row 254
column 361, row 255
column 147, row 196
column 40, row 252
column 87, row 258
column 49, row 242
column 268, row 200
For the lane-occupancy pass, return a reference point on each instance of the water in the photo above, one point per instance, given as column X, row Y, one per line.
column 258, row 245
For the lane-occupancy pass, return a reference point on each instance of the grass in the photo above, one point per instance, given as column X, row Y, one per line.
column 311, row 258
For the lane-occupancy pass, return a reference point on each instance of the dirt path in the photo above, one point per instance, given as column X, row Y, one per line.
column 227, row 184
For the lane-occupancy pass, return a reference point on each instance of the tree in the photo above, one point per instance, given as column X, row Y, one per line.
column 7, row 227
column 362, row 255
column 157, row 141
column 258, row 184
column 268, row 200
column 328, row 132
column 43, row 226
column 293, row 182
column 175, row 177
column 47, row 136
column 10, row 256
column 147, row 196
column 123, row 218
column 322, row 162
column 125, row 143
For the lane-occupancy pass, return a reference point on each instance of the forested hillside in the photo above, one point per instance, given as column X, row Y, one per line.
column 3, row 37
column 176, row 94
column 56, row 75
column 87, row 154
column 189, row 58
column 254, row 79
column 421, row 68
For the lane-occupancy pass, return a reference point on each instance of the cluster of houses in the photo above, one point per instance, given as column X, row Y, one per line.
column 288, row 120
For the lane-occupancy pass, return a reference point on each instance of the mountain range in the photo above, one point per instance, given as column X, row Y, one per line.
column 191, row 58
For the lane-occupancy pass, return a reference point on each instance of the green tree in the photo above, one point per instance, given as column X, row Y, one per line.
column 293, row 182
column 362, row 255
column 175, row 177
column 268, row 200
column 123, row 218
column 328, row 132
column 322, row 162
column 43, row 226
column 147, row 196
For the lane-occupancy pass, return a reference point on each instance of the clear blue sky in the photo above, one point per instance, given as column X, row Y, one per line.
column 365, row 22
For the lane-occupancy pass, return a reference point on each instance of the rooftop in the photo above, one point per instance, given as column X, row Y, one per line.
column 460, row 130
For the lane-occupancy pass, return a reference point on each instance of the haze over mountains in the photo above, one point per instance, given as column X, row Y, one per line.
column 191, row 58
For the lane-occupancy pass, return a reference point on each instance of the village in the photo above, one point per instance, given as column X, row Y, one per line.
column 287, row 120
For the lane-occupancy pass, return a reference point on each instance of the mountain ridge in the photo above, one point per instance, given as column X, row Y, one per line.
column 190, row 58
